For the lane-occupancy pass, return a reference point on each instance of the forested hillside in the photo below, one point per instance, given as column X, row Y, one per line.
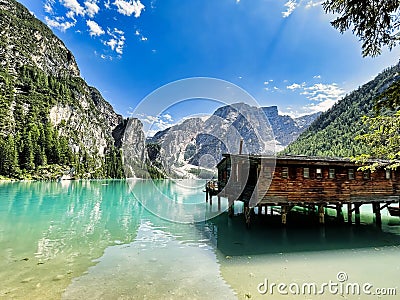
column 333, row 132
column 51, row 121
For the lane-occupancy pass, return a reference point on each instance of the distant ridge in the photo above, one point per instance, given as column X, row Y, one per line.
column 333, row 132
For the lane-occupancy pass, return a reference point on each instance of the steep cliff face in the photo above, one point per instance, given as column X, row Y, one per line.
column 134, row 150
column 175, row 144
column 27, row 41
column 46, row 108
column 287, row 129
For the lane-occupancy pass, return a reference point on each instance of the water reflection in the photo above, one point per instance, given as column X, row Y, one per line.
column 57, row 228
column 232, row 237
column 177, row 201
column 51, row 232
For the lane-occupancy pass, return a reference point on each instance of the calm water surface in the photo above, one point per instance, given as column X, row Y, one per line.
column 93, row 240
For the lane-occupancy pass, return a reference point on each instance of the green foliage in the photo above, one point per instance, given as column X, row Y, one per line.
column 32, row 145
column 383, row 141
column 389, row 99
column 334, row 132
column 376, row 23
column 113, row 163
column 9, row 157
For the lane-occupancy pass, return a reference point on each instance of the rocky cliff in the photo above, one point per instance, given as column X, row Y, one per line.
column 287, row 129
column 48, row 113
column 202, row 143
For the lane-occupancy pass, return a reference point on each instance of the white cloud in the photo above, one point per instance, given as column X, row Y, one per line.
column 313, row 3
column 322, row 92
column 130, row 7
column 168, row 117
column 321, row 106
column 117, row 31
column 295, row 86
column 317, row 77
column 94, row 28
column 142, row 37
column 112, row 43
column 291, row 5
column 48, row 8
column 74, row 6
column 107, row 4
column 157, row 123
column 117, row 40
column 61, row 25
column 91, row 8
column 70, row 15
column 322, row 96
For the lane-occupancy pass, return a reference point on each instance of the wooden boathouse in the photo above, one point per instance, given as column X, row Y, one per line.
column 315, row 183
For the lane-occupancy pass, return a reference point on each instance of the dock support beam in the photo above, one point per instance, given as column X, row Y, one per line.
column 357, row 213
column 339, row 213
column 210, row 198
column 284, row 211
column 231, row 209
column 206, row 195
column 349, row 213
column 247, row 214
column 219, row 202
column 377, row 210
column 321, row 214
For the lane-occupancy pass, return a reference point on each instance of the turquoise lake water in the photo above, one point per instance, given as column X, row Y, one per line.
column 95, row 240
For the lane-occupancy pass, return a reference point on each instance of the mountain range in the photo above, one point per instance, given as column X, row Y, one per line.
column 195, row 142
column 52, row 122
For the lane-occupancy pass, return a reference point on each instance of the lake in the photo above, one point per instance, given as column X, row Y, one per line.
column 110, row 239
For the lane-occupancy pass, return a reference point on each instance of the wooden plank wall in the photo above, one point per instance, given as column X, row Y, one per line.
column 296, row 188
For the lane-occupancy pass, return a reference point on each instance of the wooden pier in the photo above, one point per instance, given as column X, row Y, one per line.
column 269, row 184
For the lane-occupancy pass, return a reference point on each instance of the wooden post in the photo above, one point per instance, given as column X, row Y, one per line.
column 219, row 202
column 231, row 209
column 210, row 198
column 247, row 214
column 259, row 210
column 339, row 213
column 349, row 213
column 284, row 214
column 206, row 194
column 357, row 213
column 312, row 209
column 321, row 214
column 378, row 219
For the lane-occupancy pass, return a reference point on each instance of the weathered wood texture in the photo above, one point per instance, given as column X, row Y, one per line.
column 238, row 180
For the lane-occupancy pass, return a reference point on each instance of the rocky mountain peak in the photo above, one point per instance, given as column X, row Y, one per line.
column 26, row 41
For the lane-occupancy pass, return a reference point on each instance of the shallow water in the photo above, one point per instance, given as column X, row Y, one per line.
column 94, row 240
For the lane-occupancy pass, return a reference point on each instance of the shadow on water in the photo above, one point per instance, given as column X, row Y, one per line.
column 231, row 236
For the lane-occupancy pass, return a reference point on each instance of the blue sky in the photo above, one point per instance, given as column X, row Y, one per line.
column 283, row 53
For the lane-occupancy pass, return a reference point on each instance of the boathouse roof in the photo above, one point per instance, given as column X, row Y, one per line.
column 302, row 159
